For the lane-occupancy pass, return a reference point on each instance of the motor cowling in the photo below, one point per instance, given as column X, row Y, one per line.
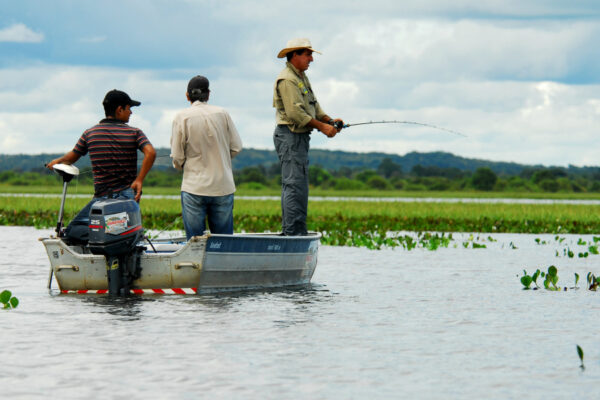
column 115, row 229
column 115, row 226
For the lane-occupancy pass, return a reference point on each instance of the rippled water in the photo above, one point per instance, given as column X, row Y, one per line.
column 452, row 323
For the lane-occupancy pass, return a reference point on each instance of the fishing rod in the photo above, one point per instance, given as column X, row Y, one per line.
column 339, row 125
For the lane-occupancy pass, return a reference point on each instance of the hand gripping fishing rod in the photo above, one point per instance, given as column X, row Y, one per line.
column 338, row 125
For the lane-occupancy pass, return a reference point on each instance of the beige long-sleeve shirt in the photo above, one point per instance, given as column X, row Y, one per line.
column 203, row 142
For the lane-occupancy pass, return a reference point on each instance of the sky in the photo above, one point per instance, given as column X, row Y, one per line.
column 520, row 79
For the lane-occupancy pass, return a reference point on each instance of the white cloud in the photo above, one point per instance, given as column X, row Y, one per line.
column 500, row 71
column 400, row 50
column 21, row 34
column 526, row 122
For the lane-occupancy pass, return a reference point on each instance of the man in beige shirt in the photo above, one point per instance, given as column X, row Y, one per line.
column 203, row 142
column 297, row 113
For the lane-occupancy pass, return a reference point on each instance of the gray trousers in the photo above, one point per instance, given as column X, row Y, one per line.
column 292, row 150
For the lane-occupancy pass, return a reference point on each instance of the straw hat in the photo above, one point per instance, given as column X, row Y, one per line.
column 296, row 44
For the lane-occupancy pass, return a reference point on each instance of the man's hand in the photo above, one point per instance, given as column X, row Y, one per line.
column 149, row 157
column 328, row 130
column 137, row 188
column 337, row 123
column 52, row 163
column 68, row 158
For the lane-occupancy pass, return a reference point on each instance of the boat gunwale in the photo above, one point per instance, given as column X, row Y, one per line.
column 270, row 235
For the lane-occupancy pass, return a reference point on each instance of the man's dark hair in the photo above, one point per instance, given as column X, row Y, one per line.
column 197, row 88
column 291, row 53
column 111, row 108
column 199, row 95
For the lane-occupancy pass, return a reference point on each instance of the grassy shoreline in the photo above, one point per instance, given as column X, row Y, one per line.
column 342, row 216
column 244, row 190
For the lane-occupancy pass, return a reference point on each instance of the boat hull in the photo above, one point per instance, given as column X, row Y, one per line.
column 258, row 261
column 205, row 263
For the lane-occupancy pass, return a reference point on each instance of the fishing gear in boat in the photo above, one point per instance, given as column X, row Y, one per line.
column 149, row 240
column 340, row 125
column 67, row 172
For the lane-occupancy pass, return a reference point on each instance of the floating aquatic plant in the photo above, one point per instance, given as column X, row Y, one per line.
column 551, row 280
column 580, row 354
column 7, row 299
column 592, row 281
column 474, row 245
column 527, row 280
column 591, row 247
column 576, row 281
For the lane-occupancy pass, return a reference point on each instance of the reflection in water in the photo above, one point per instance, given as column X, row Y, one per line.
column 225, row 300
column 297, row 303
column 128, row 307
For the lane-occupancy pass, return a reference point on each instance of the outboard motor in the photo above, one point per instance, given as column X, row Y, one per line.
column 115, row 229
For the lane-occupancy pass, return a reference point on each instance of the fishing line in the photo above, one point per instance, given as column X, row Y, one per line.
column 338, row 125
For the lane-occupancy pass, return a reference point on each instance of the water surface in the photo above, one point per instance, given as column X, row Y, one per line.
column 452, row 323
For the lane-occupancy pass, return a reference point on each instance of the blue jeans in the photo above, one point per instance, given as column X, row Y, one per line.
column 77, row 230
column 196, row 209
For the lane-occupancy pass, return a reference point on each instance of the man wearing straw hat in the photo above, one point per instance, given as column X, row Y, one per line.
column 297, row 113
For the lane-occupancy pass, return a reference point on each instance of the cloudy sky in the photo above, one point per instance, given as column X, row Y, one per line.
column 521, row 79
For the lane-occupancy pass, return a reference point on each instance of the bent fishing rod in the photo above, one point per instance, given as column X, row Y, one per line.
column 339, row 125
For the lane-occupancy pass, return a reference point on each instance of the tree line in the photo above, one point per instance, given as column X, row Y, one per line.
column 390, row 176
column 387, row 176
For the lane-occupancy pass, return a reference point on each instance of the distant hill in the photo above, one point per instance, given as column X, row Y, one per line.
column 332, row 160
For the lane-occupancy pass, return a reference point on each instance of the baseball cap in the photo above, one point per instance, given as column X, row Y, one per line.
column 119, row 98
column 198, row 82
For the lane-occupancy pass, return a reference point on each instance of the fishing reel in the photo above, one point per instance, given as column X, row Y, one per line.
column 336, row 124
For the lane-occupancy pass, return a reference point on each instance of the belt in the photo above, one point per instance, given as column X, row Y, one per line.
column 287, row 126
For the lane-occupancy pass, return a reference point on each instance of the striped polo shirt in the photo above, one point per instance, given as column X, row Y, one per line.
column 113, row 147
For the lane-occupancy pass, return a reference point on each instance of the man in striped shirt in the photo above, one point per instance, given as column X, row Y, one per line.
column 113, row 146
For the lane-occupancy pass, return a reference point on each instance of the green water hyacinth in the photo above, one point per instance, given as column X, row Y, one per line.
column 7, row 299
column 593, row 281
column 551, row 278
column 580, row 354
column 527, row 280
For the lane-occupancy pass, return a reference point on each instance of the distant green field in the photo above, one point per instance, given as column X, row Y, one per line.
column 74, row 188
column 342, row 216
